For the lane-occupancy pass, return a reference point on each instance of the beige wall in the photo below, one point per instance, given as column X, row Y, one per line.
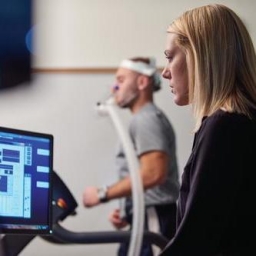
column 83, row 33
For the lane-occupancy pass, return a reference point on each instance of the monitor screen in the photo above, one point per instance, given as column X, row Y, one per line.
column 26, row 166
column 15, row 57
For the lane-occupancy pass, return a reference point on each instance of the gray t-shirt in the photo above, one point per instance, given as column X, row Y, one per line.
column 151, row 130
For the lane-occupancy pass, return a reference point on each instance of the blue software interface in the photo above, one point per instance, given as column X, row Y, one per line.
column 25, row 181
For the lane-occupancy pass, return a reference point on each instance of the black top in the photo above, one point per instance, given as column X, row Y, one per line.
column 216, row 211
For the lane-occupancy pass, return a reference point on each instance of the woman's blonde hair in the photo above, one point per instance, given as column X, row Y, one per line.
column 221, row 60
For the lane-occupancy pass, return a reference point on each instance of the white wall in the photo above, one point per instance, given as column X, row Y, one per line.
column 82, row 33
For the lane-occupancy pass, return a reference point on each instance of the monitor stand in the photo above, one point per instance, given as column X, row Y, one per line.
column 12, row 245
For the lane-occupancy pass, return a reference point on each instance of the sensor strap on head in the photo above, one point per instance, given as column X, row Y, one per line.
column 140, row 67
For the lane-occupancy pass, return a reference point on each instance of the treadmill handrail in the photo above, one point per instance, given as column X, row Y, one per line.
column 70, row 237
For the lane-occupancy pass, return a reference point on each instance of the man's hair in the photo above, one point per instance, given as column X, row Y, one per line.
column 221, row 60
column 155, row 78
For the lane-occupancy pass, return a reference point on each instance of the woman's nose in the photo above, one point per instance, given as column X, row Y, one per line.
column 165, row 73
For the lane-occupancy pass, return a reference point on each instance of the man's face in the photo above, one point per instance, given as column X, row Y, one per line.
column 126, row 89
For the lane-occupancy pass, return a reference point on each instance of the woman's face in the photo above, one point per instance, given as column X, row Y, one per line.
column 176, row 71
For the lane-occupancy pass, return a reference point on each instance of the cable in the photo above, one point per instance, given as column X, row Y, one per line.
column 137, row 189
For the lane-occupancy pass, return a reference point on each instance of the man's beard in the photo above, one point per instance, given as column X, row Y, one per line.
column 126, row 103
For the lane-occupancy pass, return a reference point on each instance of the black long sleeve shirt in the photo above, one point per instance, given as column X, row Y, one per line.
column 216, row 211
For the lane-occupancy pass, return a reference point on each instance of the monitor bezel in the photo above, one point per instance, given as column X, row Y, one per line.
column 20, row 229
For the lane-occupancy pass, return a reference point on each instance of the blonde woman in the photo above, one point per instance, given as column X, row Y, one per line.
column 212, row 66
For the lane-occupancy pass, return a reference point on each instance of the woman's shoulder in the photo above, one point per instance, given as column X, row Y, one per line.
column 225, row 122
column 222, row 117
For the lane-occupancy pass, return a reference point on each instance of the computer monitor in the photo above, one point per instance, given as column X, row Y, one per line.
column 15, row 43
column 26, row 167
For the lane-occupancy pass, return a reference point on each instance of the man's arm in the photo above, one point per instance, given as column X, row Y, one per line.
column 153, row 170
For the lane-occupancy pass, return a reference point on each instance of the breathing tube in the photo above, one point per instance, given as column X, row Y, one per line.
column 109, row 108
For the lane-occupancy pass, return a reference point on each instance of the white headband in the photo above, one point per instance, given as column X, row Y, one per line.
column 140, row 67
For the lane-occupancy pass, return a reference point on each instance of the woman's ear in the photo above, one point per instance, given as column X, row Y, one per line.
column 143, row 82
